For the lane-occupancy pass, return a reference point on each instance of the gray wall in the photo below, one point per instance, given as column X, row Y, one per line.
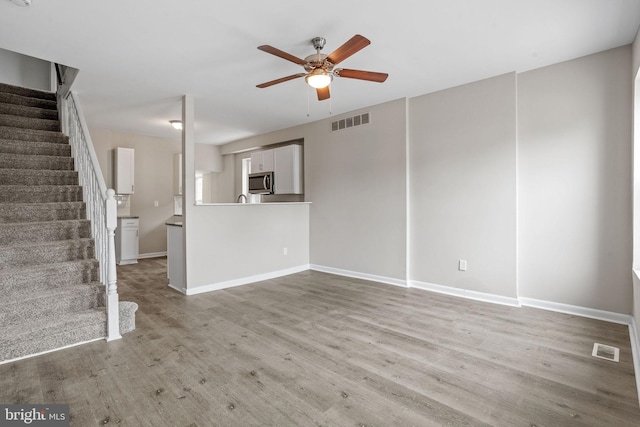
column 463, row 186
column 526, row 176
column 356, row 181
column 574, row 182
column 26, row 71
column 153, row 181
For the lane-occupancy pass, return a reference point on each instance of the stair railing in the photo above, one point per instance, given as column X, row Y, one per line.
column 101, row 205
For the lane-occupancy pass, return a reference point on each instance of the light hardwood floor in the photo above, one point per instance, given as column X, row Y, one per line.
column 313, row 349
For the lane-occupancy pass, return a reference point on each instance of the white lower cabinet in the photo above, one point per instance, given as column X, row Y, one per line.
column 127, row 241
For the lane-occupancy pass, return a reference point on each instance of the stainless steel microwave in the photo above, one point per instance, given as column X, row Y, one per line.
column 261, row 183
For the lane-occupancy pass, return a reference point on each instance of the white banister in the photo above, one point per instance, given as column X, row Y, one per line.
column 100, row 204
column 113, row 325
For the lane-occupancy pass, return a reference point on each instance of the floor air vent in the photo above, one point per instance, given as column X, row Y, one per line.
column 606, row 352
column 360, row 119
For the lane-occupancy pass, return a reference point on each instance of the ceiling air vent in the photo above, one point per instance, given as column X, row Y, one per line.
column 360, row 119
column 606, row 352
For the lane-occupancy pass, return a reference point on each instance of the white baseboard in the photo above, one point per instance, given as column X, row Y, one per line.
column 181, row 290
column 152, row 255
column 635, row 351
column 51, row 351
column 358, row 275
column 244, row 280
column 607, row 316
column 465, row 293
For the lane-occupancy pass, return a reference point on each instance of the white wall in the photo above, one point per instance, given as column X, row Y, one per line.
column 208, row 158
column 636, row 185
column 574, row 182
column 26, row 71
column 463, row 186
column 229, row 243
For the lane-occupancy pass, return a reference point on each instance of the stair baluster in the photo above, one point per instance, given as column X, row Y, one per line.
column 100, row 204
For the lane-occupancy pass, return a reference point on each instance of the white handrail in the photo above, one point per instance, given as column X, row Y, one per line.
column 100, row 204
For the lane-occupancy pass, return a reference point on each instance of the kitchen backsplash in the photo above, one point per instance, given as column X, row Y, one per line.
column 124, row 204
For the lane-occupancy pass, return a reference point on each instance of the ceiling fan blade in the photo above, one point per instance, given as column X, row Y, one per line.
column 284, row 55
column 361, row 75
column 281, row 80
column 353, row 45
column 323, row 93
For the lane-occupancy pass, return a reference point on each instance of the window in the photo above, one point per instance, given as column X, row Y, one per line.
column 246, row 170
column 198, row 188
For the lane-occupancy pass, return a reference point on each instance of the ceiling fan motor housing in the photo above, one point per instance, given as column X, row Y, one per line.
column 318, row 42
column 317, row 60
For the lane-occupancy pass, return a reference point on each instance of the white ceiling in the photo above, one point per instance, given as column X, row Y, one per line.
column 137, row 58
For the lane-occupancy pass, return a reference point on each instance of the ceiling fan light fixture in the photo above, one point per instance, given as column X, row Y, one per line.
column 319, row 79
column 177, row 124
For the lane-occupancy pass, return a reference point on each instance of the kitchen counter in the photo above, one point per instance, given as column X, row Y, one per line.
column 174, row 223
column 128, row 217
column 254, row 204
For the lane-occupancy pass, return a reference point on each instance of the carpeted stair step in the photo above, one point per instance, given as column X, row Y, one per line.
column 27, row 101
column 29, row 123
column 40, row 193
column 35, row 232
column 35, row 162
column 47, row 252
column 16, row 133
column 16, row 146
column 26, row 111
column 28, row 92
column 27, row 177
column 21, row 307
column 52, row 333
column 39, row 212
column 48, row 276
column 127, row 311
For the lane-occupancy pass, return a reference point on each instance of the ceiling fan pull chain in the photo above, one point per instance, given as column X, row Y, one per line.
column 308, row 115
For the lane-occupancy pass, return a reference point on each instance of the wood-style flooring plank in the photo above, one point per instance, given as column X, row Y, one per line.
column 314, row 349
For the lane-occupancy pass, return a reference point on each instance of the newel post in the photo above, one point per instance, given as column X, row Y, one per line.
column 113, row 309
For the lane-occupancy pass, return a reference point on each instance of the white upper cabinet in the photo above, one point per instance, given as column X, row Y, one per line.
column 262, row 161
column 287, row 169
column 124, row 170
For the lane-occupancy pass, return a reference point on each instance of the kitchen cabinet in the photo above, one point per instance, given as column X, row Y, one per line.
column 177, row 174
column 123, row 164
column 127, row 240
column 287, row 171
column 262, row 161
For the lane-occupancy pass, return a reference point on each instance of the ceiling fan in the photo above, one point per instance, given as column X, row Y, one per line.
column 320, row 67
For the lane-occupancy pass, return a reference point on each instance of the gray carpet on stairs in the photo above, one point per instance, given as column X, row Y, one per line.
column 48, row 274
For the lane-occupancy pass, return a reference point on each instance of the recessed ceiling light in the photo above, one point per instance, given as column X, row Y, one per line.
column 21, row 2
column 177, row 124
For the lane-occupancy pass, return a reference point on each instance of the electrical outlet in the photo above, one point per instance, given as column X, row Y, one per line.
column 462, row 264
column 156, row 203
column 284, row 251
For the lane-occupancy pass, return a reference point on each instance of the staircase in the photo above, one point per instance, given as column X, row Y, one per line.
column 49, row 285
